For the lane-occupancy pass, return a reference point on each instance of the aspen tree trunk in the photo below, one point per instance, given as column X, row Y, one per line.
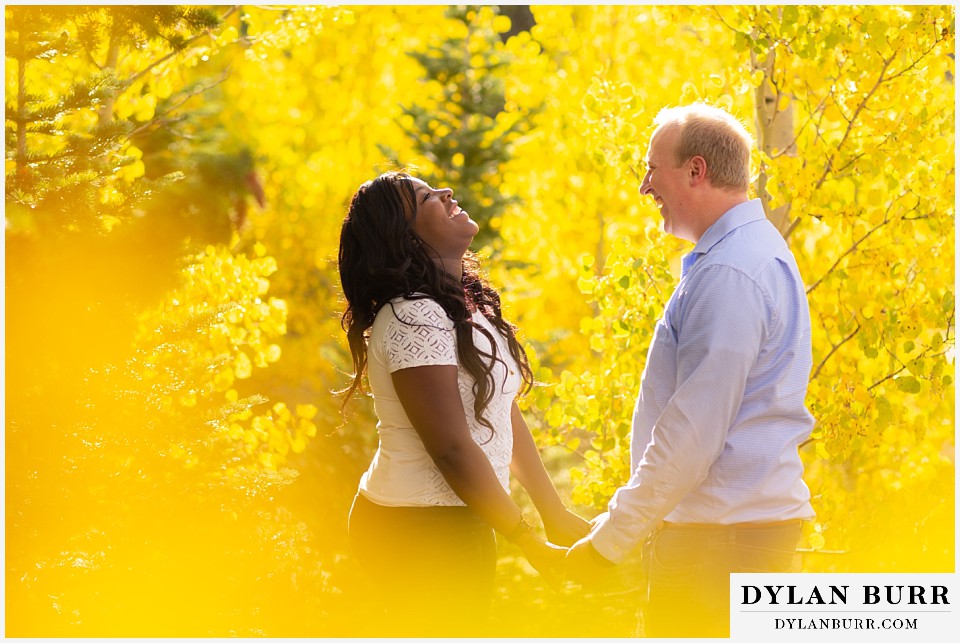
column 774, row 135
column 105, row 113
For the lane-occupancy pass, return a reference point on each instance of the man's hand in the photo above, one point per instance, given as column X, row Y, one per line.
column 584, row 564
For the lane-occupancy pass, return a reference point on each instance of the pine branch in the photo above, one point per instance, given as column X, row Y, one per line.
column 143, row 72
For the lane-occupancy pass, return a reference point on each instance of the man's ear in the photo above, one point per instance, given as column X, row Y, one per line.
column 697, row 170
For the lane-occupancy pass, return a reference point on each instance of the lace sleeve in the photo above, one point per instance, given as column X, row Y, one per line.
column 418, row 333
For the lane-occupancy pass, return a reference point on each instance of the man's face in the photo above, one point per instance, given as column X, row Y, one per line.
column 667, row 183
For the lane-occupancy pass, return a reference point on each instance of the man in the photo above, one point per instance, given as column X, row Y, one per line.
column 717, row 480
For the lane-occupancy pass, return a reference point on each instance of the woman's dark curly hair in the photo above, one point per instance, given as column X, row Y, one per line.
column 381, row 257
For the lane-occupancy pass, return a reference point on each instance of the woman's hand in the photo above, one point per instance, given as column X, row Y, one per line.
column 562, row 526
column 543, row 556
column 565, row 527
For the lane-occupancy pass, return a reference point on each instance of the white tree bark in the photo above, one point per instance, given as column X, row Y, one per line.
column 775, row 135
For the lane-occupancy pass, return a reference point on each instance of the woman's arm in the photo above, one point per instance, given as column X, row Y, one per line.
column 431, row 399
column 563, row 526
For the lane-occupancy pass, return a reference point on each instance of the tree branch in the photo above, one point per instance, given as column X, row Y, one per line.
column 157, row 119
column 903, row 71
column 848, row 251
column 852, row 120
column 160, row 61
column 903, row 367
column 834, row 350
column 801, row 128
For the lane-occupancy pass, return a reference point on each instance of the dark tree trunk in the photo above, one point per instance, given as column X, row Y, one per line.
column 521, row 19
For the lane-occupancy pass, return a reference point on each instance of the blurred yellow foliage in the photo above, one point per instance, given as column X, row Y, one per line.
column 194, row 461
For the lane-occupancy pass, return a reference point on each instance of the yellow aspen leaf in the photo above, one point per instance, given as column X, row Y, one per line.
column 269, row 460
column 261, row 426
column 223, row 380
column 816, row 541
column 145, row 107
column 132, row 171
column 226, row 36
column 280, row 444
column 282, row 411
column 586, row 285
column 554, row 415
column 298, row 445
column 273, row 353
column 242, row 367
column 822, row 452
column 908, row 384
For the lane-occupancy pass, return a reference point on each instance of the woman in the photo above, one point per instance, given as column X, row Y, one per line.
column 444, row 368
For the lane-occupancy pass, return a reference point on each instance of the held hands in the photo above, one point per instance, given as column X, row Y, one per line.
column 543, row 556
column 584, row 564
column 565, row 527
column 580, row 563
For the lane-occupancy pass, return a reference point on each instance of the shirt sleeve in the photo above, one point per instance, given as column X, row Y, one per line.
column 418, row 333
column 720, row 320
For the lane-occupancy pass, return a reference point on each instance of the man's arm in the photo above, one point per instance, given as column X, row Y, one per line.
column 721, row 318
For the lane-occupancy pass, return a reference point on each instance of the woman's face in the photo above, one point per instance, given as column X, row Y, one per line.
column 440, row 222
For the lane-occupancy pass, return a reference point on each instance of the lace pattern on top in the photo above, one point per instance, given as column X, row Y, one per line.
column 419, row 333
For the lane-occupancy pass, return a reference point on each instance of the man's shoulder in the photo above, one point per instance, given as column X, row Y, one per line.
column 750, row 248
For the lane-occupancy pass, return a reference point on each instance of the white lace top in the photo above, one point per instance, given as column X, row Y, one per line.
column 417, row 332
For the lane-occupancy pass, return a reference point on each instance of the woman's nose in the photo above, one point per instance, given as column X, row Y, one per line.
column 446, row 193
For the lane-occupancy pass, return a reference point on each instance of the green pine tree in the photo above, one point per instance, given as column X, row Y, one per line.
column 457, row 131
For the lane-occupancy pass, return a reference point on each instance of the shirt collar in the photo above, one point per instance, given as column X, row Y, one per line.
column 738, row 215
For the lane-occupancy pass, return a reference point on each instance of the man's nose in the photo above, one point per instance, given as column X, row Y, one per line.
column 645, row 186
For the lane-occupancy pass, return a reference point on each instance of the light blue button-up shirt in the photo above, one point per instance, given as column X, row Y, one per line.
column 721, row 407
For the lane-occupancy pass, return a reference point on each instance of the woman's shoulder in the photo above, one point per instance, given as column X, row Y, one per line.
column 420, row 310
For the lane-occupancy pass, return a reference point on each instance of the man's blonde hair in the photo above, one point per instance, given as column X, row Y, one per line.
column 717, row 136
